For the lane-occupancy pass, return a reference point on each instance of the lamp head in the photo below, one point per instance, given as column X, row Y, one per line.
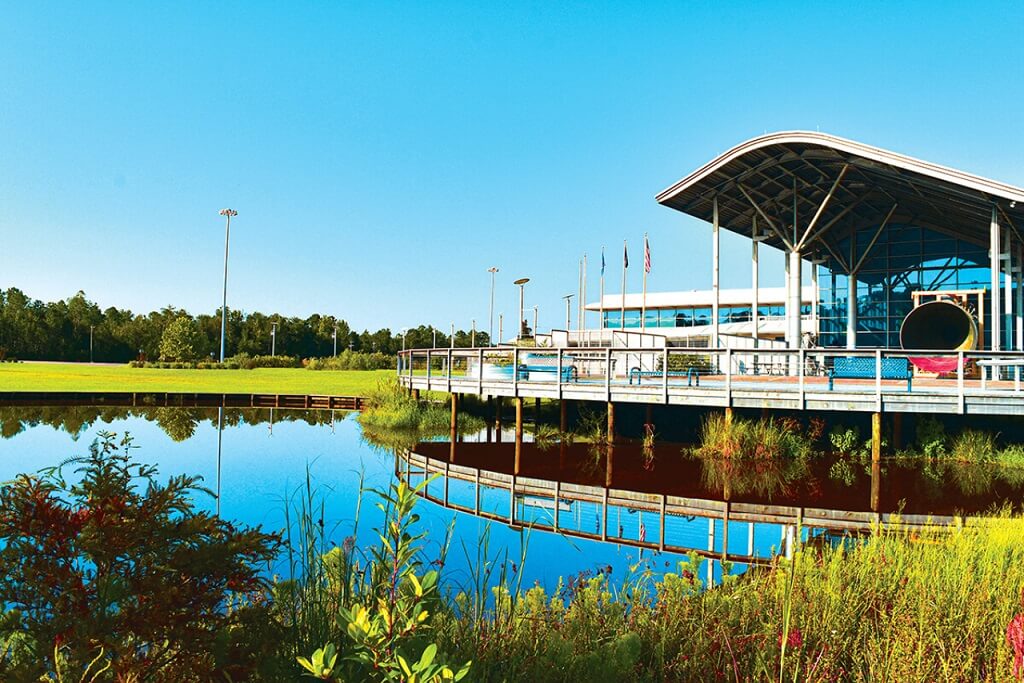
column 228, row 212
column 521, row 281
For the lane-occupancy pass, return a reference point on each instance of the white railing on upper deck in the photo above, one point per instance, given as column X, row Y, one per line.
column 641, row 371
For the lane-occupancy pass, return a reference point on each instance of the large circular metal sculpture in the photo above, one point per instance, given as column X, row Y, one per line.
column 939, row 326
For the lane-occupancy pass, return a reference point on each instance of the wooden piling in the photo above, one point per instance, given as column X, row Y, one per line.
column 563, row 416
column 876, row 436
column 611, row 422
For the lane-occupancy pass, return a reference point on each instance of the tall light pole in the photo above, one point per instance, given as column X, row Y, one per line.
column 568, row 315
column 405, row 331
column 90, row 342
column 433, row 338
column 335, row 337
column 452, row 339
column 273, row 339
column 490, row 324
column 534, row 322
column 519, row 323
column 500, row 328
column 227, row 213
column 472, row 337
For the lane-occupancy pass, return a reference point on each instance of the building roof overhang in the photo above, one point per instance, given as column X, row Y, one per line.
column 809, row 191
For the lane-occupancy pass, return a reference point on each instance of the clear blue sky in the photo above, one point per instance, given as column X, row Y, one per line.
column 383, row 155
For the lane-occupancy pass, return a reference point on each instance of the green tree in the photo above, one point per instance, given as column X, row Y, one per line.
column 181, row 340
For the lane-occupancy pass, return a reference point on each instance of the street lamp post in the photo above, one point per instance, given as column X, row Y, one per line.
column 472, row 336
column 90, row 342
column 273, row 339
column 568, row 315
column 534, row 322
column 227, row 213
column 490, row 318
column 405, row 331
column 522, row 285
column 335, row 337
column 501, row 317
column 452, row 339
column 433, row 340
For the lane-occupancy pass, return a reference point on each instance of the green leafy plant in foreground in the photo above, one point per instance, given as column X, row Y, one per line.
column 390, row 621
column 119, row 577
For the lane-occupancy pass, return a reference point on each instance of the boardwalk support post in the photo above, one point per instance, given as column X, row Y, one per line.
column 876, row 436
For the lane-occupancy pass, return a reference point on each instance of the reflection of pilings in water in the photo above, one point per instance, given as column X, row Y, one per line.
column 497, row 418
column 519, row 432
column 590, row 504
column 454, row 432
column 271, row 426
column 220, row 435
column 609, row 465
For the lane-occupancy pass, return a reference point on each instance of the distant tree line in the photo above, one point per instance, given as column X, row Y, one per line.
column 35, row 330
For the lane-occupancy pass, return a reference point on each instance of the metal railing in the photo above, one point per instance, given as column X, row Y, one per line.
column 721, row 371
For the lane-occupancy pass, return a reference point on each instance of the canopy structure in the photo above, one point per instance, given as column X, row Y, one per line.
column 807, row 192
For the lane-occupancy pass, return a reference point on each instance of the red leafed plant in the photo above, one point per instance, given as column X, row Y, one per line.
column 1015, row 639
column 119, row 573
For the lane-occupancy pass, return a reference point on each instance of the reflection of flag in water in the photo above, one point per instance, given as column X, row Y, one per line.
column 643, row 531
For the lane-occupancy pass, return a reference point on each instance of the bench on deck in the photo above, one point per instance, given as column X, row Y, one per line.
column 569, row 372
column 691, row 375
column 853, row 367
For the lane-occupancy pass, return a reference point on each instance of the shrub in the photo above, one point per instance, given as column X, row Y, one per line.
column 757, row 439
column 931, row 437
column 389, row 406
column 120, row 573
column 352, row 360
column 974, row 446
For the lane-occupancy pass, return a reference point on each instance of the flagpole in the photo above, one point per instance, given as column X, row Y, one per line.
column 625, row 264
column 600, row 323
column 579, row 290
column 643, row 298
column 583, row 296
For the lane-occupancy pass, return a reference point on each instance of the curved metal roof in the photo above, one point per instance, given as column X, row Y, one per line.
column 812, row 189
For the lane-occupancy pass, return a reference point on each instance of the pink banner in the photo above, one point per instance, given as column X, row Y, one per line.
column 940, row 365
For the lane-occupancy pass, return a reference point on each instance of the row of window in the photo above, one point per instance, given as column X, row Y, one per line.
column 692, row 317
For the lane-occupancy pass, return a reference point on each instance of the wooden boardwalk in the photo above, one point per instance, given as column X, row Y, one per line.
column 179, row 399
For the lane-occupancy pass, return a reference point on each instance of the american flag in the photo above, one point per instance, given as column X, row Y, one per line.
column 647, row 255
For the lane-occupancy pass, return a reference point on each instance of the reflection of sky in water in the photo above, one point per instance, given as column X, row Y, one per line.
column 259, row 471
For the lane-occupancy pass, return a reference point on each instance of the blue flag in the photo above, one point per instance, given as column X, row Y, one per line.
column 602, row 261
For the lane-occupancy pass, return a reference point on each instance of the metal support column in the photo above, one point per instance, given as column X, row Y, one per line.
column 1018, row 278
column 1007, row 256
column 795, row 297
column 714, row 273
column 995, row 331
column 851, row 312
column 754, row 282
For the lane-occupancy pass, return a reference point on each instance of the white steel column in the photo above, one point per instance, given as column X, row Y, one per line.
column 851, row 312
column 714, row 272
column 1007, row 256
column 754, row 284
column 795, row 297
column 785, row 260
column 1018, row 276
column 814, row 294
column 995, row 333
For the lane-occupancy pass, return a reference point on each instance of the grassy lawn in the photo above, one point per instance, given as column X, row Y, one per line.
column 85, row 377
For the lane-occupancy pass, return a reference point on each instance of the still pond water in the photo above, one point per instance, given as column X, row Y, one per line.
column 260, row 462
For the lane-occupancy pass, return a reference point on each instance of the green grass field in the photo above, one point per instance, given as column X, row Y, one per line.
column 85, row 377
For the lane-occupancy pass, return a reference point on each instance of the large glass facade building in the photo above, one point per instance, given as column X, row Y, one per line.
column 903, row 259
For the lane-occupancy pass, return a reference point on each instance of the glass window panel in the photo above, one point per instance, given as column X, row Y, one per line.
column 632, row 318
